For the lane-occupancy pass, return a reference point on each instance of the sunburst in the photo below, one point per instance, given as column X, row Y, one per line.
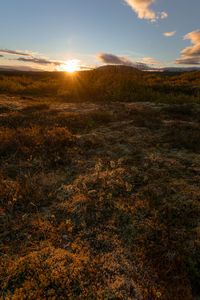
column 70, row 66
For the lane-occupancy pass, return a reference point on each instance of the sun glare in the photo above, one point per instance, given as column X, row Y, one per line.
column 71, row 66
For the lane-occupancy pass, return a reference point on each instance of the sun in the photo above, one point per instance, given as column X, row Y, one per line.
column 70, row 66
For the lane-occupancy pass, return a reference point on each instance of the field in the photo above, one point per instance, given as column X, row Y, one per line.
column 100, row 185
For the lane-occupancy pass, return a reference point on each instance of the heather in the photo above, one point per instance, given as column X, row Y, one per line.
column 99, row 199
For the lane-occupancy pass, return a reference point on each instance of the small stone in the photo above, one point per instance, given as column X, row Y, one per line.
column 65, row 237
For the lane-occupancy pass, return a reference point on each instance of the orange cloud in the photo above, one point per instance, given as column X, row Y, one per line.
column 169, row 33
column 150, row 61
column 191, row 54
column 15, row 52
column 142, row 9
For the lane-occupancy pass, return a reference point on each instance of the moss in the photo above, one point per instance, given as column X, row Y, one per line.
column 101, row 202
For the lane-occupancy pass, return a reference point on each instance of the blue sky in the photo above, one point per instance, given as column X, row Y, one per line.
column 48, row 33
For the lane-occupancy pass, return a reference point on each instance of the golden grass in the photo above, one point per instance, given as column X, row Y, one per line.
column 99, row 205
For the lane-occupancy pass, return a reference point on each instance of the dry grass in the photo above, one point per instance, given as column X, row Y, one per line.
column 183, row 135
column 99, row 205
column 104, row 86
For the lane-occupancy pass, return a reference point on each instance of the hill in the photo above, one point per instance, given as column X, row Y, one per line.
column 119, row 68
column 143, row 67
column 104, row 85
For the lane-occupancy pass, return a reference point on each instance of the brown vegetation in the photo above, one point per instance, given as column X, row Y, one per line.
column 99, row 201
column 127, row 85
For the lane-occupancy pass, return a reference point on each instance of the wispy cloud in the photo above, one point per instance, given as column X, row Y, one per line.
column 150, row 61
column 112, row 59
column 41, row 61
column 191, row 55
column 188, row 61
column 15, row 52
column 19, row 67
column 143, row 10
column 35, row 58
column 169, row 33
column 27, row 56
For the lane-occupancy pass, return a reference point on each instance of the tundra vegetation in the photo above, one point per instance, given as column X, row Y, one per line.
column 99, row 185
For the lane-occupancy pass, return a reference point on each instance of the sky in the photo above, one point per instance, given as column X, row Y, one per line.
column 62, row 34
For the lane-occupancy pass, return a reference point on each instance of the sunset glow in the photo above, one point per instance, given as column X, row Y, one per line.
column 118, row 32
column 70, row 66
column 100, row 149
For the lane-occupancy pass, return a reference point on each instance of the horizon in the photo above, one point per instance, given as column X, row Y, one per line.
column 72, row 36
column 153, row 70
column 100, row 149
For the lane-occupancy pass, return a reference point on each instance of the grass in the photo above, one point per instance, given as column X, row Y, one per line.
column 104, row 86
column 99, row 203
column 183, row 135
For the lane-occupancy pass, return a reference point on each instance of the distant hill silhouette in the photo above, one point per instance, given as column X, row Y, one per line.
column 176, row 69
column 135, row 69
column 114, row 68
column 118, row 68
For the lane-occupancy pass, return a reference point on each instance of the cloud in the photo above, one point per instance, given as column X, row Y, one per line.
column 142, row 9
column 41, row 61
column 34, row 58
column 15, row 52
column 19, row 68
column 169, row 33
column 150, row 61
column 26, row 56
column 194, row 36
column 191, row 51
column 188, row 61
column 112, row 59
column 163, row 15
column 191, row 54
